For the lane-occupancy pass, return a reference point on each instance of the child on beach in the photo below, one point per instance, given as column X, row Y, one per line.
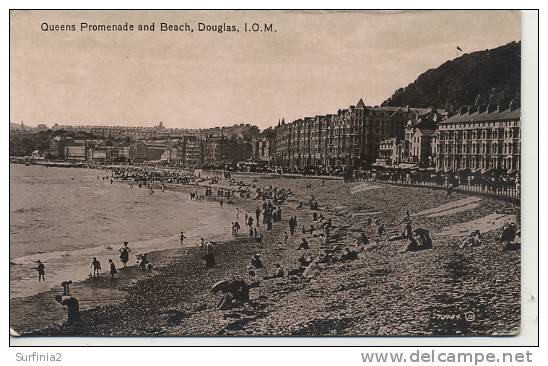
column 66, row 287
column 113, row 270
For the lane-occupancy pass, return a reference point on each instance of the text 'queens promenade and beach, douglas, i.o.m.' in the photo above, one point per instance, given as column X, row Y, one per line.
column 186, row 27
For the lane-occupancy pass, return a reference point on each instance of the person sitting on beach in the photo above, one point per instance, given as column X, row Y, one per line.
column 66, row 287
column 41, row 269
column 349, row 255
column 304, row 261
column 113, row 270
column 363, row 240
column 326, row 257
column 424, row 238
column 303, row 245
column 515, row 244
column 256, row 262
column 278, row 273
column 124, row 254
column 425, row 242
column 508, row 233
column 236, row 291
column 73, row 309
column 472, row 241
column 96, row 265
column 300, row 206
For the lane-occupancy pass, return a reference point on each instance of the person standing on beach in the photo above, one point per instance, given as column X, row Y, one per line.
column 209, row 256
column 182, row 238
column 380, row 231
column 124, row 254
column 291, row 225
column 257, row 214
column 221, row 202
column 41, row 269
column 449, row 191
column 237, row 214
column 113, row 270
column 96, row 265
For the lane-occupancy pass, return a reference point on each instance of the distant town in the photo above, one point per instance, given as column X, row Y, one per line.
column 476, row 139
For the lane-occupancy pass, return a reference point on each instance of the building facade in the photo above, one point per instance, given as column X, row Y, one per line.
column 263, row 149
column 193, row 153
column 76, row 150
column 219, row 150
column 350, row 138
column 480, row 140
column 149, row 150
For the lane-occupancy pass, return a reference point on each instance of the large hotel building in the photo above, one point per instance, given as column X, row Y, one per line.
column 349, row 138
column 479, row 140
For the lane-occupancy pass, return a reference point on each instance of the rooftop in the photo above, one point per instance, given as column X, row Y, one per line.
column 495, row 115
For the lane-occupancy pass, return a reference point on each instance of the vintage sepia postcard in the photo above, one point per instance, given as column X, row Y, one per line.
column 265, row 173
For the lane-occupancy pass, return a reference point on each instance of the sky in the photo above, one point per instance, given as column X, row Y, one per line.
column 314, row 63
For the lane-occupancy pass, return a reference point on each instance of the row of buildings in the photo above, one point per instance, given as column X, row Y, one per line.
column 349, row 138
column 183, row 151
column 477, row 139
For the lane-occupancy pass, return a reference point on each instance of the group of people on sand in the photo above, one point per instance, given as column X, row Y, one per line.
column 124, row 258
column 510, row 238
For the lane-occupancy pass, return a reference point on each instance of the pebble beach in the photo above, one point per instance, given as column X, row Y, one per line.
column 385, row 292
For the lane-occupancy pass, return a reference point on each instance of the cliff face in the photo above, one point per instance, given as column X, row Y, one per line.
column 484, row 77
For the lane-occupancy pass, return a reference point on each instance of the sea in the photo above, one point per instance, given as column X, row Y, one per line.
column 66, row 216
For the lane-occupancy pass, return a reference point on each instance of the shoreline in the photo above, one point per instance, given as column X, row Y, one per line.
column 45, row 311
column 353, row 296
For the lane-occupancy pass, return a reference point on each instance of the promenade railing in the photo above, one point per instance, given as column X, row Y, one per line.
column 500, row 190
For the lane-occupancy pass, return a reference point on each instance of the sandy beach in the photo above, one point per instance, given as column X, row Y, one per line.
column 444, row 291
